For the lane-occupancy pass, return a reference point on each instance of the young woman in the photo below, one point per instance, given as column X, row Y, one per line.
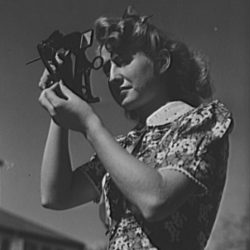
column 159, row 186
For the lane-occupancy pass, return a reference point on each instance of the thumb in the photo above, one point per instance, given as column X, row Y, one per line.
column 65, row 90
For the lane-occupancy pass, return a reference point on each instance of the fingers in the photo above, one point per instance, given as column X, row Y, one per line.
column 65, row 90
column 54, row 95
column 46, row 104
column 62, row 65
column 50, row 100
column 61, row 56
column 46, row 79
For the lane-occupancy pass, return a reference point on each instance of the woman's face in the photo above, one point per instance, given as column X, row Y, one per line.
column 132, row 80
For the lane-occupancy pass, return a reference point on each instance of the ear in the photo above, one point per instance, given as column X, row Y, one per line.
column 163, row 61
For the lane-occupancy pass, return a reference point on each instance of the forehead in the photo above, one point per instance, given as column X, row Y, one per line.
column 107, row 55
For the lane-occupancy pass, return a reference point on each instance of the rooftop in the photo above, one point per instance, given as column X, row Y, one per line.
column 18, row 225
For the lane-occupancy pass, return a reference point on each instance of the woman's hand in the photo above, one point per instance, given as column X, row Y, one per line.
column 66, row 108
column 62, row 65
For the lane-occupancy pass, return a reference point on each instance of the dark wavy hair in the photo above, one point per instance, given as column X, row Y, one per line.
column 188, row 74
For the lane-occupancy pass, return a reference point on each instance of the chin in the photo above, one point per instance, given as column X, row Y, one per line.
column 127, row 105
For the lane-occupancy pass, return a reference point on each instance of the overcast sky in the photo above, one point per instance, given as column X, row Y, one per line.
column 218, row 28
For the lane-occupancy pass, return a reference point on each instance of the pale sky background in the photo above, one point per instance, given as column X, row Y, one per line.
column 218, row 28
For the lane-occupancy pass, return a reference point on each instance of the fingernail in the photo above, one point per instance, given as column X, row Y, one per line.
column 61, row 83
column 58, row 59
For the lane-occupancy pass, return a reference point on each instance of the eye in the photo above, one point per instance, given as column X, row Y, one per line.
column 122, row 60
column 106, row 68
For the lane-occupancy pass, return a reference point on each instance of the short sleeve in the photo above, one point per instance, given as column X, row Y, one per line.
column 199, row 145
column 95, row 172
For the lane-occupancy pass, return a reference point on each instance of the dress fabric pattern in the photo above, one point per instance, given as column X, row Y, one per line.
column 193, row 141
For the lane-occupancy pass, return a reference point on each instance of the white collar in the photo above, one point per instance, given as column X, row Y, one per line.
column 168, row 113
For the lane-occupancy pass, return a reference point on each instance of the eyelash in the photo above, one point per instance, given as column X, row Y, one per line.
column 118, row 60
column 121, row 60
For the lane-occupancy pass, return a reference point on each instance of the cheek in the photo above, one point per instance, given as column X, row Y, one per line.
column 144, row 76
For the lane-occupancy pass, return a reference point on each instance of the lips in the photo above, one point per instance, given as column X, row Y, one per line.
column 118, row 89
column 124, row 88
column 124, row 91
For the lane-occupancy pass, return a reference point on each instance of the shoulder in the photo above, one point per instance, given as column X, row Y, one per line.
column 213, row 118
column 197, row 144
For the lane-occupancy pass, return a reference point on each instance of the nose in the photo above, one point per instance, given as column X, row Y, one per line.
column 115, row 81
column 115, row 73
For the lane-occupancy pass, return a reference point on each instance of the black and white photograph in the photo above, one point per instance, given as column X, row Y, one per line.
column 124, row 125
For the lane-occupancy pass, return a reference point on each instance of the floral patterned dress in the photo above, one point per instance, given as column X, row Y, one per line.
column 178, row 137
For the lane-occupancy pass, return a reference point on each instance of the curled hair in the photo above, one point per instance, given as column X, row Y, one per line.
column 188, row 75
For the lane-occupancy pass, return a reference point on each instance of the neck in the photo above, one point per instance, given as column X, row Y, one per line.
column 144, row 112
